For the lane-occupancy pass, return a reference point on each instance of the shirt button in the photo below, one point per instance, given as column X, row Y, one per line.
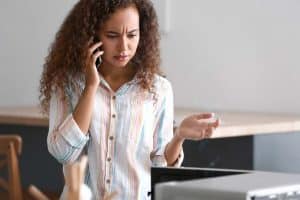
column 114, row 97
column 111, row 137
column 108, row 181
column 108, row 159
column 113, row 116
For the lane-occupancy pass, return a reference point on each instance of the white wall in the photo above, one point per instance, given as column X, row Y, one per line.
column 26, row 30
column 219, row 55
column 235, row 55
column 239, row 55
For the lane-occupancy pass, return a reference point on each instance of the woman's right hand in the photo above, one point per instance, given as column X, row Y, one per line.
column 91, row 73
column 198, row 126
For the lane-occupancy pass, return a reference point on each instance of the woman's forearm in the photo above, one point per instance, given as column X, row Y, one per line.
column 173, row 149
column 84, row 108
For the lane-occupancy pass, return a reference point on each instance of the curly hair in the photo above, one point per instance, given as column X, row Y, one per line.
column 67, row 53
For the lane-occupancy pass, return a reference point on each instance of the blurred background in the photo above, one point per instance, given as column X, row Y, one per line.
column 219, row 55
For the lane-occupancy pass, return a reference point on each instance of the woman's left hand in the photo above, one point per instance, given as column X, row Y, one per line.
column 197, row 127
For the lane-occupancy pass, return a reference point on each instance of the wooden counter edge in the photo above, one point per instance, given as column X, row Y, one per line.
column 27, row 121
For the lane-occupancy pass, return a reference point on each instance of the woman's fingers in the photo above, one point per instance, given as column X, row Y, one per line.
column 199, row 126
column 204, row 115
column 206, row 123
column 206, row 129
column 217, row 123
column 94, row 47
column 93, row 53
column 96, row 55
column 213, row 124
column 203, row 134
column 209, row 132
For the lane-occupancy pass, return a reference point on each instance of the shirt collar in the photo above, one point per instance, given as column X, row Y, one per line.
column 123, row 88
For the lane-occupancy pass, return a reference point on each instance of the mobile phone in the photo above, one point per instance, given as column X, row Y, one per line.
column 98, row 60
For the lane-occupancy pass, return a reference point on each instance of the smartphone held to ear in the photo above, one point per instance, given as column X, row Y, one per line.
column 98, row 62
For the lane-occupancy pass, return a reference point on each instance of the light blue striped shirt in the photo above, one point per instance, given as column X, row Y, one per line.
column 128, row 134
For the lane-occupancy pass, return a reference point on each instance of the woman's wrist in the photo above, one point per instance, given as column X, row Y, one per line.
column 177, row 137
column 92, row 83
column 91, row 87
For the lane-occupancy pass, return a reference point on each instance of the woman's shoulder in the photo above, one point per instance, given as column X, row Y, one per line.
column 162, row 85
column 161, row 82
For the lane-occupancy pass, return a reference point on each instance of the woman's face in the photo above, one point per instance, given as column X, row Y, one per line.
column 120, row 37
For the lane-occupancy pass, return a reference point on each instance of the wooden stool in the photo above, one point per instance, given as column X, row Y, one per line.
column 74, row 178
column 74, row 175
column 10, row 149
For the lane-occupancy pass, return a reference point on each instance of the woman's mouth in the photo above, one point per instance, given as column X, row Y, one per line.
column 121, row 58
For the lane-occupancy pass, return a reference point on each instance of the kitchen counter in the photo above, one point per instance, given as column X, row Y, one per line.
column 232, row 123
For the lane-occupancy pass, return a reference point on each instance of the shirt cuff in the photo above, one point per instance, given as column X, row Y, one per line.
column 71, row 132
column 159, row 160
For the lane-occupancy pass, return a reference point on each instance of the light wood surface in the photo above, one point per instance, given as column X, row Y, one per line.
column 22, row 115
column 247, row 123
column 232, row 123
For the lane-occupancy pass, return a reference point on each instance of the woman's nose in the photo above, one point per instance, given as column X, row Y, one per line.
column 123, row 44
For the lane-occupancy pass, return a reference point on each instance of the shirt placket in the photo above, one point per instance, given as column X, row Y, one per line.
column 110, row 143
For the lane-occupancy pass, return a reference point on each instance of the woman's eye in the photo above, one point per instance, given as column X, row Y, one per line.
column 111, row 36
column 131, row 36
column 115, row 36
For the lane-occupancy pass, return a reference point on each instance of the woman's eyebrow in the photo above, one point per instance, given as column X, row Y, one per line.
column 112, row 32
column 134, row 30
column 115, row 32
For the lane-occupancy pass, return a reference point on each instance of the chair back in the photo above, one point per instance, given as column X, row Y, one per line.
column 10, row 149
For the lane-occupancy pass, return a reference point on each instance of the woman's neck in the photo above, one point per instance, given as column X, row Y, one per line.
column 116, row 77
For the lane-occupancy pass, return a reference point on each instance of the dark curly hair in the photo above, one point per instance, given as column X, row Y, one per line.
column 67, row 53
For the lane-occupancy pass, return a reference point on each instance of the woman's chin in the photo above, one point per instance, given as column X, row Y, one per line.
column 120, row 64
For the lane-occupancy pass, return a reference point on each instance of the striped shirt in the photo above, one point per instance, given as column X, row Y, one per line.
column 128, row 133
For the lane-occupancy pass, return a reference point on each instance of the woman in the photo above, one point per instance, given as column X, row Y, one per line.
column 121, row 112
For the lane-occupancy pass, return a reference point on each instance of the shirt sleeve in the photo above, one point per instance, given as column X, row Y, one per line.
column 65, row 140
column 164, row 130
